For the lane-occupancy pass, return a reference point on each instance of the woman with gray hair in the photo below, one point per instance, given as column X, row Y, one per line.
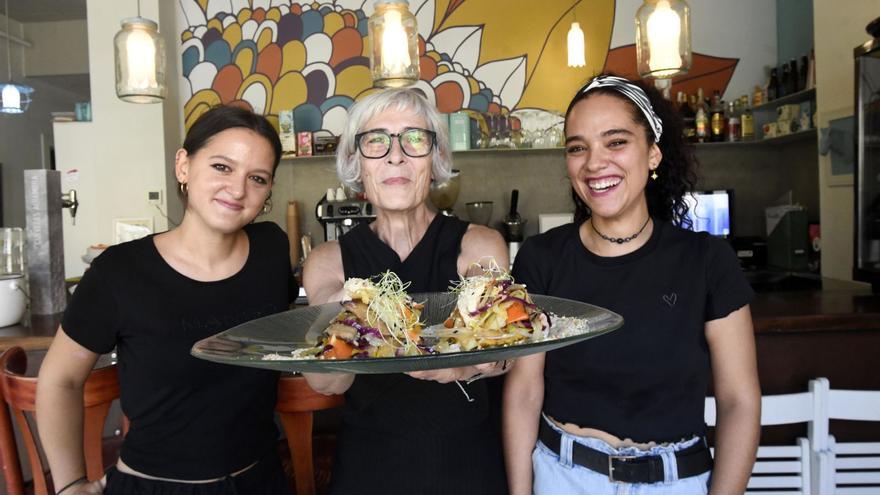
column 427, row 432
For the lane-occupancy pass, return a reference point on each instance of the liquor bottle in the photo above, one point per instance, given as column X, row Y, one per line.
column 758, row 96
column 747, row 120
column 792, row 78
column 716, row 118
column 702, row 124
column 782, row 89
column 802, row 73
column 733, row 129
column 688, row 117
column 773, row 86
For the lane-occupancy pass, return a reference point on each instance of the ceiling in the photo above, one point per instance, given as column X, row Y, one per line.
column 45, row 10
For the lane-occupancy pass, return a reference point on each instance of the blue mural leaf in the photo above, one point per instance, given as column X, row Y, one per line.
column 363, row 27
column 479, row 102
column 218, row 53
column 290, row 27
column 325, row 10
column 313, row 22
column 189, row 59
column 307, row 117
column 336, row 101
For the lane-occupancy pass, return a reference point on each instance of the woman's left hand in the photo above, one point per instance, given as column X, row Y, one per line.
column 448, row 375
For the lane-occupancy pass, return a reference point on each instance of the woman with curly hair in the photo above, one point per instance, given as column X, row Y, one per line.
column 628, row 407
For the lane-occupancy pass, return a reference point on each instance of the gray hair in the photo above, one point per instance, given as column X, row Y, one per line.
column 348, row 159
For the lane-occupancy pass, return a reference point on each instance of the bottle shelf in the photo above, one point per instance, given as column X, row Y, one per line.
column 800, row 96
column 794, row 137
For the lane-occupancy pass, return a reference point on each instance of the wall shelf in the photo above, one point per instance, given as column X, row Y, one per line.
column 794, row 137
column 798, row 97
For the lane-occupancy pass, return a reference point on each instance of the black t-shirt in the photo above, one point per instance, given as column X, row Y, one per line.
column 647, row 380
column 190, row 418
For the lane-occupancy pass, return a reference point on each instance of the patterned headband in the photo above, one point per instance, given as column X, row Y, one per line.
column 634, row 93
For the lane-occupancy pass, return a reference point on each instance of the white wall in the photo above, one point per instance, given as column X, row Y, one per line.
column 25, row 138
column 120, row 155
column 58, row 48
column 744, row 29
column 838, row 30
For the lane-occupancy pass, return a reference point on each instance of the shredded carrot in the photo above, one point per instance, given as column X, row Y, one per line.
column 516, row 312
column 449, row 323
column 340, row 349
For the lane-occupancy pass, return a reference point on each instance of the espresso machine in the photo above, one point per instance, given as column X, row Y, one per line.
column 338, row 216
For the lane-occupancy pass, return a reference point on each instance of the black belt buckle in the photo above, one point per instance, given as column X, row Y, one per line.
column 611, row 468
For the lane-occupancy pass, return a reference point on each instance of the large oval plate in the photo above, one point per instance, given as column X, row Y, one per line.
column 269, row 342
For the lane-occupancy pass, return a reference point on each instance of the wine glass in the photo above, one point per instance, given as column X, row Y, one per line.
column 444, row 194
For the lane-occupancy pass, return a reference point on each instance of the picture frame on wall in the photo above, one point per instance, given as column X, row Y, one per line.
column 837, row 147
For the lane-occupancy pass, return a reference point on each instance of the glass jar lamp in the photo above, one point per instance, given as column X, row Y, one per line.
column 394, row 44
column 663, row 38
column 140, row 61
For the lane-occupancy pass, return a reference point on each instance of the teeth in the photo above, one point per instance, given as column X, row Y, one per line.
column 601, row 185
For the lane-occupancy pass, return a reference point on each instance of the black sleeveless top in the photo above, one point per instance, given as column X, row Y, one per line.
column 400, row 434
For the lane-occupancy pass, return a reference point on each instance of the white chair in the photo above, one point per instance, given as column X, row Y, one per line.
column 847, row 468
column 786, row 469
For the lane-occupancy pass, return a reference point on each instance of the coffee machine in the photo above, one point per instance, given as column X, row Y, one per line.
column 339, row 216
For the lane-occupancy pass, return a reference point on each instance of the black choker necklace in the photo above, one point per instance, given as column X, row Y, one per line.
column 619, row 240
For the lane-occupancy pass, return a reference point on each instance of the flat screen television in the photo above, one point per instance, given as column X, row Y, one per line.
column 710, row 211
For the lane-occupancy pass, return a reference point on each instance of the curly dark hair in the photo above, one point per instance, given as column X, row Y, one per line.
column 677, row 172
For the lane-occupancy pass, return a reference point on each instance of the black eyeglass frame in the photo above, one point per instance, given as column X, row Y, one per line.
column 358, row 136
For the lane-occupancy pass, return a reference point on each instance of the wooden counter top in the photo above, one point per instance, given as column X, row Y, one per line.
column 37, row 334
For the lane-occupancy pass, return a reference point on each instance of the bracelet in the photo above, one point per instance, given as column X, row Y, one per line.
column 72, row 483
column 504, row 365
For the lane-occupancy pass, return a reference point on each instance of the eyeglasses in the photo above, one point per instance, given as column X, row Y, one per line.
column 414, row 142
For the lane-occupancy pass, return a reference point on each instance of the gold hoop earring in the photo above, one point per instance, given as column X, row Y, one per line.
column 267, row 206
column 183, row 189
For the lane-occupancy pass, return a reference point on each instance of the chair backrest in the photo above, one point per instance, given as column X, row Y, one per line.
column 19, row 393
column 849, row 468
column 296, row 405
column 784, row 469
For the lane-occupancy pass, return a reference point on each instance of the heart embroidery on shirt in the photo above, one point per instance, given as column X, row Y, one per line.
column 670, row 299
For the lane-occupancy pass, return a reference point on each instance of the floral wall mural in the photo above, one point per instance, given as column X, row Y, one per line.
column 480, row 56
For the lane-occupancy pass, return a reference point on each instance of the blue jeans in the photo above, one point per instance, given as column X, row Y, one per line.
column 557, row 475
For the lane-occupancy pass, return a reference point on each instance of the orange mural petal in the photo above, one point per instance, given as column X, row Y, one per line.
column 707, row 72
column 350, row 19
column 227, row 82
column 449, row 97
column 347, row 43
column 258, row 15
column 269, row 62
column 427, row 68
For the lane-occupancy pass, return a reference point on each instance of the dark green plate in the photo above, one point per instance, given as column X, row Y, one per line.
column 278, row 335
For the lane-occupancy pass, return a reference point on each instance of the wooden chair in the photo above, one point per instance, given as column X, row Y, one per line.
column 847, row 468
column 19, row 393
column 296, row 404
column 786, row 469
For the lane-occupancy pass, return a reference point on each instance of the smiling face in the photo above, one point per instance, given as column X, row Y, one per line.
column 609, row 157
column 396, row 182
column 228, row 180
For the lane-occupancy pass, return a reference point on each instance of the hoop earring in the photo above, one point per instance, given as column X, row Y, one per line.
column 183, row 189
column 267, row 206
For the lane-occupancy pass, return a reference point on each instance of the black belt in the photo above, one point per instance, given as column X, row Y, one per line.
column 691, row 461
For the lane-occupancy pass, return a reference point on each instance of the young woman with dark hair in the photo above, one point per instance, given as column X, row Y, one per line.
column 627, row 407
column 196, row 426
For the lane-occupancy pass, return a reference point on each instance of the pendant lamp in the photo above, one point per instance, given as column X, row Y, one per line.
column 576, row 46
column 14, row 98
column 663, row 38
column 394, row 44
column 140, row 61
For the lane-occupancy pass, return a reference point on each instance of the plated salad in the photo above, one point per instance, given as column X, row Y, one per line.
column 378, row 319
column 491, row 311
